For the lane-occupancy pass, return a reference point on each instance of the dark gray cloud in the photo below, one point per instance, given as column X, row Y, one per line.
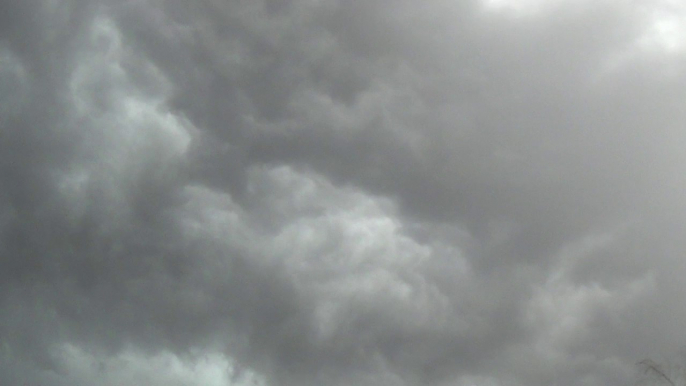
column 314, row 192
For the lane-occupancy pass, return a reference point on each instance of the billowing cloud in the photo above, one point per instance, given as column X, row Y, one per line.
column 311, row 192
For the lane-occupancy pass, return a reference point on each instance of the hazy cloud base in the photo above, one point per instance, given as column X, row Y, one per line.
column 322, row 192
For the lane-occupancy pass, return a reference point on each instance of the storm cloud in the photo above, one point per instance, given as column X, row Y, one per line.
column 341, row 192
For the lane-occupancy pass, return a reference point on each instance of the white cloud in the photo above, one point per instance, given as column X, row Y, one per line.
column 336, row 192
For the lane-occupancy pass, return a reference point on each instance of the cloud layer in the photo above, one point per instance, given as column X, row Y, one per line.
column 322, row 192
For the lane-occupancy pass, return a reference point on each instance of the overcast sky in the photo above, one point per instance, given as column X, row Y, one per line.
column 341, row 192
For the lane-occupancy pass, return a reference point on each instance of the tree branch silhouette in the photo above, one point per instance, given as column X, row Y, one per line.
column 652, row 367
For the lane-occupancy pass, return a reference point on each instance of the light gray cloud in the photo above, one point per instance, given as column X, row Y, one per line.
column 333, row 192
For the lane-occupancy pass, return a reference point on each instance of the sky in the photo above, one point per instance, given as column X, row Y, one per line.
column 341, row 192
